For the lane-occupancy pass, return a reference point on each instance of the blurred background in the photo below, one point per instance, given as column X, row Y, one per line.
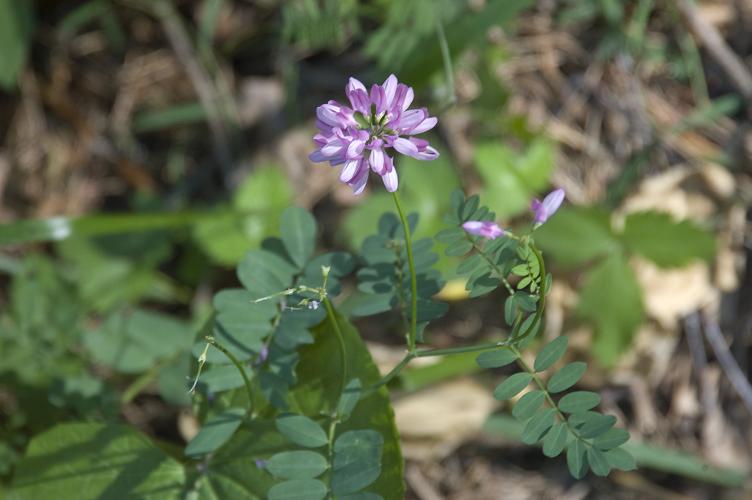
column 145, row 146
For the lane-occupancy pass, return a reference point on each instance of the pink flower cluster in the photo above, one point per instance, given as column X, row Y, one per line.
column 360, row 137
column 542, row 210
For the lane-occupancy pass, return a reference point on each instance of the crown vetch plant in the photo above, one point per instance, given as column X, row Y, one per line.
column 290, row 401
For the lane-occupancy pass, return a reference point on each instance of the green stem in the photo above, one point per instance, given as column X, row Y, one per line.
column 412, row 333
column 495, row 267
column 458, row 350
column 338, row 333
column 237, row 364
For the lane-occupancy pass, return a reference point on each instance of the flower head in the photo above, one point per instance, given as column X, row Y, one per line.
column 360, row 137
column 487, row 229
column 546, row 208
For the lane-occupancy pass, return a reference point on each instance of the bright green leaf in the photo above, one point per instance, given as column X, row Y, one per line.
column 298, row 233
column 656, row 236
column 87, row 460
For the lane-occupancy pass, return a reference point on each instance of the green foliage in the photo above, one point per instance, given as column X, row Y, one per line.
column 615, row 311
column 512, row 178
column 100, row 461
column 512, row 385
column 256, row 207
column 302, row 431
column 16, row 27
column 215, row 432
column 301, row 464
column 550, row 354
column 312, row 25
column 610, row 298
column 384, row 280
column 496, row 358
column 357, row 461
column 668, row 243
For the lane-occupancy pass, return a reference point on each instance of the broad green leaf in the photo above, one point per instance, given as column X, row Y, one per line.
column 577, row 235
column 263, row 273
column 256, row 207
column 598, row 461
column 510, row 177
column 556, row 440
column 318, row 392
column 566, row 377
column 577, row 459
column 621, row 459
column 495, row 358
column 16, row 29
column 132, row 342
column 538, row 425
column 223, row 378
column 215, row 432
column 298, row 489
column 611, row 301
column 528, row 405
column 300, row 464
column 656, row 236
column 458, row 248
column 611, row 439
column 298, row 232
column 302, row 431
column 512, row 385
column 579, row 401
column 232, row 471
column 357, row 461
column 87, row 460
column 550, row 354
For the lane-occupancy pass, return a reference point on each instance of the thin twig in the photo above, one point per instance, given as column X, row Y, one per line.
column 711, row 39
column 200, row 80
column 728, row 363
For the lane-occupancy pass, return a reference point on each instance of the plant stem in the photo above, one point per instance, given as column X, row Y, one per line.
column 458, row 350
column 541, row 298
column 237, row 364
column 412, row 333
column 490, row 261
column 338, row 333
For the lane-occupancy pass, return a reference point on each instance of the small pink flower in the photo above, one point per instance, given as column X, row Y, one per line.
column 545, row 209
column 361, row 136
column 486, row 229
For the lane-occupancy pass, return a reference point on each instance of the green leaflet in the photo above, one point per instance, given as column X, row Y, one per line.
column 86, row 460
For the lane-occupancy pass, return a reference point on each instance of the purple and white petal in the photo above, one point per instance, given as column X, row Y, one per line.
column 349, row 170
column 377, row 162
column 391, row 181
column 354, row 84
column 405, row 146
column 425, row 125
column 486, row 229
column 378, row 98
column 390, row 89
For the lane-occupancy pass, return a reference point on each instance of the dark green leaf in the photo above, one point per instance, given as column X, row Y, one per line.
column 566, row 377
column 621, row 459
column 16, row 30
column 349, row 399
column 215, row 432
column 450, row 235
column 596, row 424
column 88, row 460
column 263, row 273
column 300, row 464
column 298, row 232
column 556, row 440
column 659, row 238
column 577, row 459
column 579, row 401
column 598, row 462
column 538, row 425
column 302, row 431
column 458, row 248
column 357, row 461
column 470, row 264
column 528, row 405
column 470, row 206
column 512, row 385
column 550, row 354
column 223, row 378
column 611, row 439
column 298, row 489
